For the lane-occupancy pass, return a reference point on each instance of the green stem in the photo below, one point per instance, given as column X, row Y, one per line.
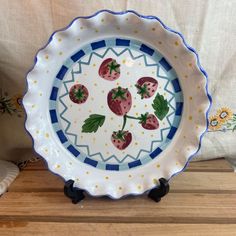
column 132, row 117
column 124, row 122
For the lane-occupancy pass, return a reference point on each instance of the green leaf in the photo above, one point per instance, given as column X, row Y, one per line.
column 92, row 123
column 160, row 106
column 234, row 128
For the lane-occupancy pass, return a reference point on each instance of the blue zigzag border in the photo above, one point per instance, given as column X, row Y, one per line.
column 80, row 63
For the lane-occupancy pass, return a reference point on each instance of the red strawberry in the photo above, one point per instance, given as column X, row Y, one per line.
column 149, row 121
column 146, row 86
column 119, row 101
column 78, row 93
column 121, row 139
column 109, row 69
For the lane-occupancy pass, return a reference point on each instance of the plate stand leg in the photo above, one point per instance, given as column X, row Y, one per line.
column 76, row 195
column 160, row 191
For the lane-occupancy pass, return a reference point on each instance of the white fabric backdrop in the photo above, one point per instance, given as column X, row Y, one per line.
column 209, row 26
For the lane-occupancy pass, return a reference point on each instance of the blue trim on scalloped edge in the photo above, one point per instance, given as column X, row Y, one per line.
column 168, row 29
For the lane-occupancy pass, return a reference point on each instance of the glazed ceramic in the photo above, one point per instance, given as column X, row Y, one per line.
column 116, row 101
column 8, row 172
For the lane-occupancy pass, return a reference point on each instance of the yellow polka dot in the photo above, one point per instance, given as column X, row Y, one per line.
column 96, row 30
column 120, row 188
column 190, row 98
column 136, row 114
column 175, row 57
column 186, row 76
column 135, row 31
column 160, row 42
column 81, row 137
column 94, row 139
column 112, row 118
column 37, row 131
column 81, row 27
column 190, row 64
column 96, row 186
column 46, row 150
column 197, row 126
column 155, row 181
column 33, row 106
column 59, row 40
column 107, row 153
column 136, row 143
column 102, row 106
column 127, row 19
column 176, row 43
column 117, row 83
column 129, row 176
column 153, row 29
column 60, row 53
column 177, row 163
column 200, row 110
column 123, row 61
column 47, row 135
column 106, row 144
column 188, row 149
column 118, row 28
column 184, row 137
column 142, row 176
column 77, row 179
column 142, row 132
column 40, row 94
column 190, row 117
column 152, row 135
column 131, row 125
column 198, row 87
column 94, row 65
column 58, row 166
column 92, row 98
column 145, row 105
column 106, row 177
column 87, row 172
column 134, row 106
column 102, row 20
column 35, row 81
column 153, row 72
column 46, row 57
column 139, row 187
column 158, row 165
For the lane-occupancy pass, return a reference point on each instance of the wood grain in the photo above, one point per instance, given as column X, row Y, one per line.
column 115, row 229
column 212, row 182
column 174, row 208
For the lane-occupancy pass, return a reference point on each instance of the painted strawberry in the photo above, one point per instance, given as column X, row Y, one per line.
column 121, row 139
column 78, row 93
column 146, row 86
column 109, row 69
column 149, row 121
column 119, row 101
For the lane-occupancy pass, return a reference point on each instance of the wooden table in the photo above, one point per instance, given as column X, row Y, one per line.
column 202, row 201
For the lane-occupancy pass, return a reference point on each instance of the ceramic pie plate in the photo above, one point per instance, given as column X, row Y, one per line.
column 116, row 101
column 8, row 172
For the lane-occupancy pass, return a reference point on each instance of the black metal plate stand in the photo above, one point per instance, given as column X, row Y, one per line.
column 76, row 195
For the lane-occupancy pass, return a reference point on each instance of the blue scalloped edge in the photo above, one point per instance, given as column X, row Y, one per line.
column 168, row 29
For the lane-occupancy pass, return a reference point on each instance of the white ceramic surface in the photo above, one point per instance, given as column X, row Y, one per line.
column 8, row 172
column 74, row 122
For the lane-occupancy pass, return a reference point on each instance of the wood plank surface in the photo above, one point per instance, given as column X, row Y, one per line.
column 174, row 208
column 114, row 229
column 45, row 181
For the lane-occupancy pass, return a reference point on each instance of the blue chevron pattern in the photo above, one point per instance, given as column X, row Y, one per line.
column 142, row 153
